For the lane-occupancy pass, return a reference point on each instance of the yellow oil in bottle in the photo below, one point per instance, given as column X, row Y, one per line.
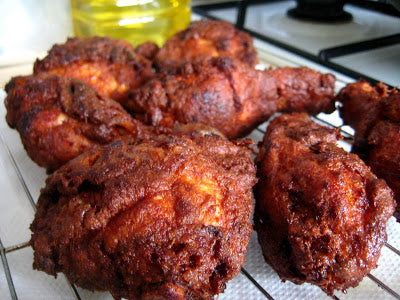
column 136, row 21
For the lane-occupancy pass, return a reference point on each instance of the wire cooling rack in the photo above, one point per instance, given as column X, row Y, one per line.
column 21, row 181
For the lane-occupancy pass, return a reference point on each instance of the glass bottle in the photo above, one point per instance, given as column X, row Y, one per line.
column 136, row 21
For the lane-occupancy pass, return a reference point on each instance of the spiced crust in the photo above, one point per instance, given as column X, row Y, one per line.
column 320, row 212
column 59, row 118
column 110, row 66
column 162, row 217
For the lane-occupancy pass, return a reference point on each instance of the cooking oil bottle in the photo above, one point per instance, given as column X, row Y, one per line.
column 136, row 21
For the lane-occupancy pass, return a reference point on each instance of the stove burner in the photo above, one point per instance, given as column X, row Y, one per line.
column 326, row 11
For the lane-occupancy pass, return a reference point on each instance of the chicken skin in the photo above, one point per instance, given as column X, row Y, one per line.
column 229, row 95
column 148, row 50
column 60, row 118
column 374, row 113
column 110, row 66
column 320, row 212
column 204, row 39
column 160, row 218
column 357, row 101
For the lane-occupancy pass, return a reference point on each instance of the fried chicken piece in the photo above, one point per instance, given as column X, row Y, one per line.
column 374, row 113
column 320, row 212
column 204, row 39
column 60, row 118
column 161, row 218
column 109, row 65
column 357, row 100
column 229, row 95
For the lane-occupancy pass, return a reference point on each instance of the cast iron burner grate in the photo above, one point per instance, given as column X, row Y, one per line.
column 326, row 11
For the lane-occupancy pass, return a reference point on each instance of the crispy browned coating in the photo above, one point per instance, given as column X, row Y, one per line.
column 204, row 39
column 148, row 50
column 320, row 212
column 109, row 65
column 60, row 118
column 374, row 113
column 229, row 95
column 357, row 100
column 167, row 217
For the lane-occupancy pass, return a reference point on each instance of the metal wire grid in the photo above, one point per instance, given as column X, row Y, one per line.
column 256, row 280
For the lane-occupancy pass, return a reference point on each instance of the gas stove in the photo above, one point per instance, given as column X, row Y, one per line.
column 355, row 38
